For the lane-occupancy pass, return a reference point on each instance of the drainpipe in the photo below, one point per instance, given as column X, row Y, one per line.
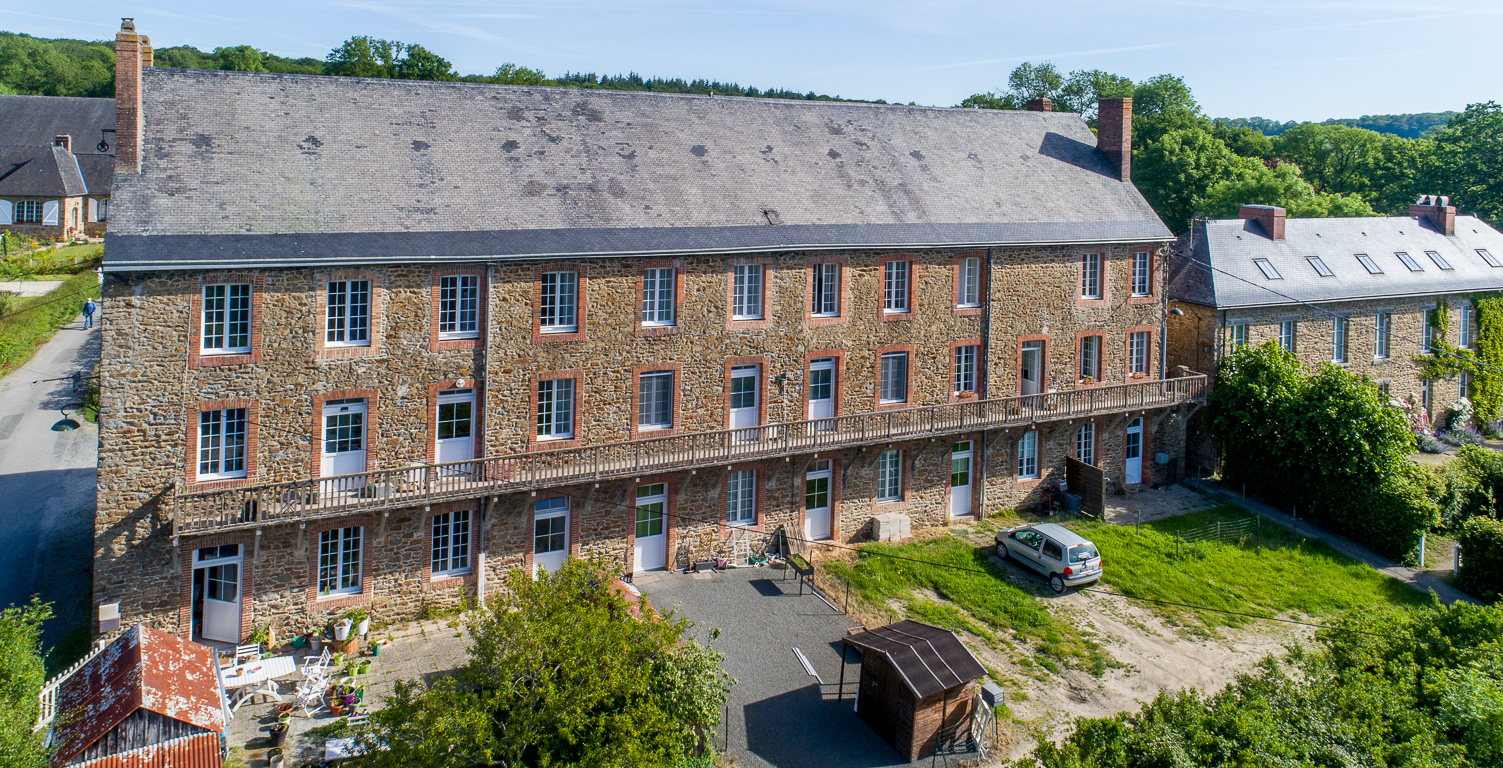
column 984, row 381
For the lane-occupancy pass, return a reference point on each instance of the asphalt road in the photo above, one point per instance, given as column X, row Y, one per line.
column 48, row 479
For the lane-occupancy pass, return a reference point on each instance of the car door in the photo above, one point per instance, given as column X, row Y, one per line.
column 1025, row 545
column 1051, row 557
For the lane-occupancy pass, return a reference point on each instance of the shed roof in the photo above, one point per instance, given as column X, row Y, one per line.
column 40, row 170
column 38, row 119
column 265, row 168
column 929, row 659
column 142, row 668
column 201, row 750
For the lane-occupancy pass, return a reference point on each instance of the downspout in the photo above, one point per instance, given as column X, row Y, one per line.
column 985, row 382
column 484, row 369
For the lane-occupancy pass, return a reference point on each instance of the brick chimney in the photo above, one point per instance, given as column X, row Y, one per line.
column 1040, row 105
column 63, row 140
column 1114, row 134
column 1438, row 209
column 1270, row 216
column 132, row 52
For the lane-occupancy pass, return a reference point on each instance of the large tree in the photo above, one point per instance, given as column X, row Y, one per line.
column 1174, row 172
column 22, row 673
column 1469, row 160
column 363, row 56
column 1283, row 186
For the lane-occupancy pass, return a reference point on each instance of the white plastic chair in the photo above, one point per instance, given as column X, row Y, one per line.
column 316, row 665
column 244, row 653
column 310, row 695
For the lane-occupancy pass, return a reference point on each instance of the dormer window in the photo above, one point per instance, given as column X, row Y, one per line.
column 1367, row 262
column 1268, row 269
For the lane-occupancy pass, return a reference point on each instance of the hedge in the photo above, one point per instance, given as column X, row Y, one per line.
column 28, row 326
column 1481, row 571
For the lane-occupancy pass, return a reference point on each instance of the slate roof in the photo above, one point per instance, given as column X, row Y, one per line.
column 39, row 119
column 929, row 659
column 276, row 169
column 1231, row 245
column 40, row 170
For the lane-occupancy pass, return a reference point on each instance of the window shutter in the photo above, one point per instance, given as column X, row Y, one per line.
column 49, row 213
column 93, row 209
column 5, row 212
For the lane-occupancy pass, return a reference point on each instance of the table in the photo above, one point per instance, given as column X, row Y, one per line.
column 253, row 673
column 341, row 749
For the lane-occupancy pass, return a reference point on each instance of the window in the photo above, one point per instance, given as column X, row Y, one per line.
column 556, row 409
column 1384, row 323
column 1492, row 261
column 459, row 307
column 655, row 406
column 102, row 210
column 1320, row 266
column 1425, row 394
column 651, row 503
column 1053, row 550
column 550, row 527
column 451, row 543
column 1142, row 273
column 890, row 476
column 1466, row 326
column 29, row 212
column 1464, row 385
column 741, row 497
column 1429, row 318
column 895, row 286
column 227, row 319
column 1090, row 275
column 965, row 369
column 339, row 561
column 349, row 315
column 658, row 287
column 817, row 485
column 746, row 300
column 1268, row 270
column 1137, row 353
column 1239, row 335
column 455, row 418
column 1409, row 261
column 825, row 292
column 1372, row 266
column 1440, row 261
column 1287, row 330
column 1338, row 340
column 1383, row 387
column 221, row 444
column 968, row 292
column 1085, row 443
column 560, row 302
column 1028, row 456
column 894, row 378
column 1090, row 358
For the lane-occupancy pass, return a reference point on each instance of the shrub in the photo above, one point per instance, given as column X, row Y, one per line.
column 1428, row 443
column 1481, row 557
column 23, row 329
column 1462, row 434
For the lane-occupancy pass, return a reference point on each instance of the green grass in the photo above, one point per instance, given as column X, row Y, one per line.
column 52, row 263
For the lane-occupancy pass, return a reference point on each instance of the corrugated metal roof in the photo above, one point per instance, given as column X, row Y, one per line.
column 202, row 750
column 142, row 668
column 930, row 659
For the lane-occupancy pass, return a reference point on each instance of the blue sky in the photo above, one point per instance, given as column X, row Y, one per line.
column 1283, row 59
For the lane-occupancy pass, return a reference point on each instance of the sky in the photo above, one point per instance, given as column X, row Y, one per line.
column 1281, row 59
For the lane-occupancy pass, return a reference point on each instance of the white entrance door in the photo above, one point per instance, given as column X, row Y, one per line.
column 1134, row 468
column 822, row 391
column 456, row 421
column 960, row 479
column 818, row 521
column 550, row 538
column 216, row 584
column 744, row 394
column 1032, row 367
column 650, row 547
column 344, row 441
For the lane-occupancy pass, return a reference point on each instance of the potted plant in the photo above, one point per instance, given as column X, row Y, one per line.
column 376, row 647
column 284, row 710
column 336, row 707
column 342, row 629
column 350, row 701
column 279, row 733
column 275, row 757
column 362, row 619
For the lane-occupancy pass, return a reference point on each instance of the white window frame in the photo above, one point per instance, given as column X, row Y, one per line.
column 450, row 553
column 1369, row 264
column 1440, row 261
column 1138, row 343
column 1408, row 261
column 1338, row 339
column 1320, row 266
column 1090, row 358
column 825, row 289
column 897, row 279
column 968, row 292
column 459, row 306
column 1142, row 273
column 659, row 289
column 226, row 319
column 1085, row 443
column 347, row 321
column 1268, row 269
column 102, row 209
column 1428, row 330
column 1090, row 276
column 893, row 388
column 1464, row 385
column 1487, row 256
column 1288, row 335
column 1239, row 335
column 1028, row 455
column 341, row 558
column 1384, row 323
column 1465, row 331
column 558, row 302
column 748, row 285
column 741, row 497
column 223, row 444
column 555, row 409
column 23, row 211
column 658, row 386
column 965, row 369
column 550, row 509
column 890, row 476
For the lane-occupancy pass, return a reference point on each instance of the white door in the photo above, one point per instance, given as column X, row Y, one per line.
column 456, row 422
column 822, row 391
column 744, row 394
column 650, row 546
column 216, row 582
column 1134, row 469
column 960, row 479
column 550, row 537
column 818, row 522
column 1032, row 367
column 344, row 441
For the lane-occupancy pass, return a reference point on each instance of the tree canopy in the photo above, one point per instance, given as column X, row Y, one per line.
column 22, row 674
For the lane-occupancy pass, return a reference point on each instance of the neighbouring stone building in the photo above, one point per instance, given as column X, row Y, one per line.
column 374, row 343
column 56, row 163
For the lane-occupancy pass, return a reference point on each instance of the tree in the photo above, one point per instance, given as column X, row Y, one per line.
column 1174, row 172
column 241, row 58
column 1242, row 139
column 419, row 63
column 1469, row 160
column 562, row 671
column 1035, row 81
column 1085, row 87
column 511, row 74
column 1282, row 186
column 990, row 100
column 364, row 56
column 22, row 674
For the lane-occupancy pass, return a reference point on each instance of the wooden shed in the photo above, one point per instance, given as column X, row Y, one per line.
column 918, row 686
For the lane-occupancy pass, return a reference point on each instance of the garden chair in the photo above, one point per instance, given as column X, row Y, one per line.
column 310, row 696
column 244, row 653
column 316, row 665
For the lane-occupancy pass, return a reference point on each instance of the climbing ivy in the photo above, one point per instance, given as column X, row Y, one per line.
column 1487, row 382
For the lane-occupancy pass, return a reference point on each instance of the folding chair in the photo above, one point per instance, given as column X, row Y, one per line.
column 310, row 696
column 315, row 665
column 244, row 653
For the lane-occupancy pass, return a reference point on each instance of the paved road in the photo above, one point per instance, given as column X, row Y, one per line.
column 47, row 480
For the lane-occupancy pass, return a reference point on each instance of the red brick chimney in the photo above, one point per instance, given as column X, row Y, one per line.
column 1270, row 216
column 63, row 140
column 132, row 52
column 1040, row 105
column 1114, row 134
column 1438, row 209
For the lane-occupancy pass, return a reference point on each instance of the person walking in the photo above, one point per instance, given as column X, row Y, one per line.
column 89, row 308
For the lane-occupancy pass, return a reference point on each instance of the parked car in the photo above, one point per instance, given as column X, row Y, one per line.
column 1063, row 556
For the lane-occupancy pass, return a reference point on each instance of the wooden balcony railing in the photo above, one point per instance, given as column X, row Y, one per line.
column 303, row 500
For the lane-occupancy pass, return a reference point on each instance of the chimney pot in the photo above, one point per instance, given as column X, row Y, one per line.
column 1043, row 104
column 63, row 140
column 1438, row 210
column 1271, row 217
column 1114, row 134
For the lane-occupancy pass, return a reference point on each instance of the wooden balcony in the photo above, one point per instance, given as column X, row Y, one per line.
column 304, row 500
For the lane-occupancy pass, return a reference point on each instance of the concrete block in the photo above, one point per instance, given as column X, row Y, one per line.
column 891, row 526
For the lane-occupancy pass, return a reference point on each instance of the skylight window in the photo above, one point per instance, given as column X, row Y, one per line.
column 1372, row 266
column 1268, row 270
column 1440, row 261
column 1492, row 261
column 1409, row 262
column 1320, row 266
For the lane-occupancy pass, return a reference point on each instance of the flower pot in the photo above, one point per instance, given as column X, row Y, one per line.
column 376, row 649
column 363, row 627
column 279, row 734
column 318, row 644
column 336, row 707
column 276, row 759
column 284, row 710
column 342, row 630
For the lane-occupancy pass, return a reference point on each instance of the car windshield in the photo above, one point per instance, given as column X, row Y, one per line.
column 1083, row 552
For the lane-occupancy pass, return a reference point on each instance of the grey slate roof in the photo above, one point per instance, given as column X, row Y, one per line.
column 257, row 168
column 45, row 171
column 1231, row 245
column 929, row 659
column 38, row 119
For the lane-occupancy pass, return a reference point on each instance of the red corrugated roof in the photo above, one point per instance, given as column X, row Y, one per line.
column 201, row 750
column 143, row 668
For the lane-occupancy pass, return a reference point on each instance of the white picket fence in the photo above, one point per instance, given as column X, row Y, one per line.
column 48, row 695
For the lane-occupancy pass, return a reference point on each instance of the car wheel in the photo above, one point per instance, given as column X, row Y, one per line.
column 1057, row 584
column 1002, row 551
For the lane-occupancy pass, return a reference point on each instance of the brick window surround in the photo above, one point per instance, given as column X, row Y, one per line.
column 529, row 550
column 877, row 404
column 1101, row 358
column 1012, row 453
column 186, row 553
column 636, row 400
column 981, row 291
column 426, row 520
column 732, row 362
column 321, row 280
column 1153, row 276
column 196, row 358
column 333, row 603
column 1127, row 349
column 252, row 443
column 1043, row 361
column 670, row 516
column 371, row 397
column 731, row 324
column 581, row 301
column 477, row 417
column 649, row 331
column 979, row 374
column 835, row 489
column 535, row 444
column 905, row 470
column 434, row 342
column 759, row 504
column 1105, row 273
column 913, row 277
column 839, row 394
column 842, row 292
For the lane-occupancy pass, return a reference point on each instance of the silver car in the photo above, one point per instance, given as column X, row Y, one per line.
column 1060, row 554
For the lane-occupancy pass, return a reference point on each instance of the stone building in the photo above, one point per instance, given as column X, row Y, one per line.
column 56, row 163
column 375, row 343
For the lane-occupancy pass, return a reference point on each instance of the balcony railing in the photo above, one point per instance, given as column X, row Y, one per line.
column 303, row 500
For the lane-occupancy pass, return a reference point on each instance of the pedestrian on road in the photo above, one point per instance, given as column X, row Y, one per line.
column 88, row 313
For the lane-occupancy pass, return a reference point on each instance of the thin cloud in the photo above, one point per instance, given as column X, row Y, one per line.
column 1005, row 59
column 54, row 18
column 492, row 16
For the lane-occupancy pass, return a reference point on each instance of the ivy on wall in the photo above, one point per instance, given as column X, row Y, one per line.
column 1445, row 361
